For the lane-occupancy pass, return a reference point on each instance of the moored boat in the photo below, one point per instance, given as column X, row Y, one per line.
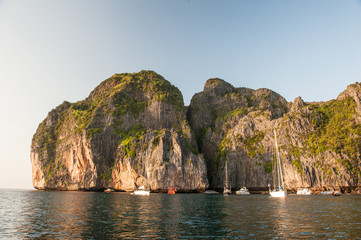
column 172, row 190
column 141, row 191
column 109, row 190
column 227, row 190
column 210, row 192
column 336, row 193
column 280, row 191
column 303, row 191
column 327, row 192
column 242, row 191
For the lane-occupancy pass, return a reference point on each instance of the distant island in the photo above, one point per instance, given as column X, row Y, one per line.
column 134, row 130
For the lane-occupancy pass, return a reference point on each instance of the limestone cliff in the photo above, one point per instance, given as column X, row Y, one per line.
column 133, row 130
column 130, row 131
column 319, row 142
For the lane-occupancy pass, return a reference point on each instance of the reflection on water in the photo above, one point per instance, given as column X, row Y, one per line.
column 86, row 215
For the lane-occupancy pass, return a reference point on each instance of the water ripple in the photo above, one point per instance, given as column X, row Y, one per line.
column 86, row 215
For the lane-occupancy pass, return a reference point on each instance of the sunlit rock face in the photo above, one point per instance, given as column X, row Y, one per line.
column 134, row 130
column 319, row 143
column 130, row 131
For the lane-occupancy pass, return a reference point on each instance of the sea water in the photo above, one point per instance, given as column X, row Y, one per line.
column 26, row 214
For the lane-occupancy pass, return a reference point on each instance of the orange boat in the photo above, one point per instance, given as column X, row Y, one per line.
column 171, row 190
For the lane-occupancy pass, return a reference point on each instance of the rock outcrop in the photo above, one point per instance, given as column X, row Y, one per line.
column 130, row 131
column 353, row 91
column 319, row 142
column 134, row 130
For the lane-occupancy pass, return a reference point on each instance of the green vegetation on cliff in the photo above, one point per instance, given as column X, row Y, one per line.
column 335, row 129
column 130, row 140
column 126, row 117
column 116, row 97
column 46, row 137
column 124, row 94
column 148, row 86
column 253, row 145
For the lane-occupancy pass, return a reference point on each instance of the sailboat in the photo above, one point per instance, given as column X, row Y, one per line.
column 279, row 191
column 226, row 190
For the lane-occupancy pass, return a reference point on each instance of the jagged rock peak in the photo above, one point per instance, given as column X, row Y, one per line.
column 218, row 86
column 297, row 104
column 353, row 91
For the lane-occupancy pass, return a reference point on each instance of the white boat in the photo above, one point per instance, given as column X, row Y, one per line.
column 280, row 191
column 336, row 193
column 109, row 190
column 242, row 191
column 303, row 191
column 227, row 190
column 327, row 192
column 141, row 191
column 210, row 192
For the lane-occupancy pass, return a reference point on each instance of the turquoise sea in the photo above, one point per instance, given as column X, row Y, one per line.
column 26, row 214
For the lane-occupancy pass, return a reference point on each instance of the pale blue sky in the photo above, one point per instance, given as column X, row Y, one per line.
column 51, row 51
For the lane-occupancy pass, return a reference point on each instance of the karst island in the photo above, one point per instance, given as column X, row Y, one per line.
column 134, row 130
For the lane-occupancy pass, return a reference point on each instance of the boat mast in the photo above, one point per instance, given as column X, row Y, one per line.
column 226, row 176
column 145, row 168
column 279, row 171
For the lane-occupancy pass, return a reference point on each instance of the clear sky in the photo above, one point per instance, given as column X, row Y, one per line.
column 51, row 51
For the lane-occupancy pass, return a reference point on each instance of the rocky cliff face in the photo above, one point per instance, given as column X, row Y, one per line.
column 130, row 131
column 134, row 130
column 319, row 143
